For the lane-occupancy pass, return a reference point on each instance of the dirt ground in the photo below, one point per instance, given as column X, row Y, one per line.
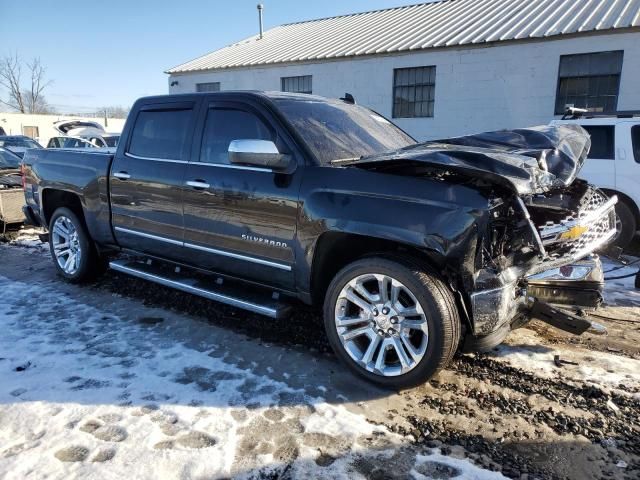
column 544, row 405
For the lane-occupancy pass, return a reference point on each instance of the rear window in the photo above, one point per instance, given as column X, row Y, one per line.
column 635, row 141
column 602, row 141
column 160, row 134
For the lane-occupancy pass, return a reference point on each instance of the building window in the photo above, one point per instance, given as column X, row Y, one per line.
column 602, row 141
column 300, row 84
column 33, row 132
column 208, row 87
column 413, row 92
column 590, row 81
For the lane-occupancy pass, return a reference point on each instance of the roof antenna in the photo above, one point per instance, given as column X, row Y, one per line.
column 260, row 8
column 348, row 98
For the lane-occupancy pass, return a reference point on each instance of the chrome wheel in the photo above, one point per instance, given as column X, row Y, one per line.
column 66, row 245
column 381, row 324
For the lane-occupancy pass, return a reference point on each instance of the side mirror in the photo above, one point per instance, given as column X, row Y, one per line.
column 259, row 153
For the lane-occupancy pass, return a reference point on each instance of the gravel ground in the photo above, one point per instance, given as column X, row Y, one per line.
column 518, row 411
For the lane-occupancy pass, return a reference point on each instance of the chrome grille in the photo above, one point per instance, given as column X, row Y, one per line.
column 588, row 212
column 596, row 212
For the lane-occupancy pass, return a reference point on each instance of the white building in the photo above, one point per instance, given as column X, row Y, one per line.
column 449, row 67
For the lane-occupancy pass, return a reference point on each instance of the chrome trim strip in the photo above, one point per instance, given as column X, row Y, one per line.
column 215, row 251
column 168, row 160
column 193, row 183
column 239, row 257
column 148, row 235
column 235, row 167
column 219, row 165
column 219, row 297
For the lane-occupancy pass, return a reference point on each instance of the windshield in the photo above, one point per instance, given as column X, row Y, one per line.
column 8, row 160
column 19, row 142
column 336, row 130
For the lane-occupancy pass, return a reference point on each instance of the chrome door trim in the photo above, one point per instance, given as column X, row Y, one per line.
column 122, row 175
column 215, row 251
column 235, row 167
column 238, row 256
column 138, row 157
column 148, row 235
column 196, row 184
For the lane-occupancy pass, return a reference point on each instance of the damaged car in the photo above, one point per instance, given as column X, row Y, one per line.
column 264, row 199
column 11, row 195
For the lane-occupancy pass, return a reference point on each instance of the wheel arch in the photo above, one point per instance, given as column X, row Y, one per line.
column 334, row 250
column 53, row 198
column 623, row 197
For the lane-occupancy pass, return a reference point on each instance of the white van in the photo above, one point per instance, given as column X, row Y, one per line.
column 613, row 165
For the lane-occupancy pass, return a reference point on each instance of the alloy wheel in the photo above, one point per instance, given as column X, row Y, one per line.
column 381, row 324
column 66, row 245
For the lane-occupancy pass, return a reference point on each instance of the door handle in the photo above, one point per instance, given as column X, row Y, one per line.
column 198, row 184
column 122, row 175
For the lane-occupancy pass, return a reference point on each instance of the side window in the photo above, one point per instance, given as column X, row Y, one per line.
column 160, row 134
column 602, row 141
column 635, row 141
column 224, row 125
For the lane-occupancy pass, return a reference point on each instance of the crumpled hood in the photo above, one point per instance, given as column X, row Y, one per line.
column 527, row 160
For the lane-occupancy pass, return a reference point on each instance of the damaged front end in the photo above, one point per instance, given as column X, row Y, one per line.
column 535, row 254
column 545, row 265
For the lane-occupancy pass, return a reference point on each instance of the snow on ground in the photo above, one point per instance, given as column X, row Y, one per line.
column 27, row 237
column 88, row 393
column 523, row 350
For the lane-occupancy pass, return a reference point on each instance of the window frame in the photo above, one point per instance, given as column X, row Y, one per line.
column 588, row 76
column 228, row 106
column 635, row 148
column 395, row 105
column 189, row 105
column 299, row 78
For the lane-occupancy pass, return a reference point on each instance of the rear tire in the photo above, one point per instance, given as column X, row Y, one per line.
column 380, row 338
column 72, row 250
column 627, row 225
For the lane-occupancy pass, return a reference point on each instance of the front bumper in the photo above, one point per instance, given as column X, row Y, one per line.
column 579, row 284
column 542, row 295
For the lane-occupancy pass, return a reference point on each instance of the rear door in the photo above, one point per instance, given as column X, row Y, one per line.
column 147, row 178
column 600, row 167
column 240, row 220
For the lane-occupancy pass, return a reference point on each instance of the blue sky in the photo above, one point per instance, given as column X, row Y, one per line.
column 110, row 53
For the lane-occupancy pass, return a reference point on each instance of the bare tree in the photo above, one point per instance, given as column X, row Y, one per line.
column 31, row 98
column 10, row 76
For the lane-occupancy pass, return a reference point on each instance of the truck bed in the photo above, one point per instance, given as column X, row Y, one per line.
column 84, row 172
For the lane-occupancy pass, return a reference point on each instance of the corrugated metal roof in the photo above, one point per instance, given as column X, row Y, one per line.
column 416, row 27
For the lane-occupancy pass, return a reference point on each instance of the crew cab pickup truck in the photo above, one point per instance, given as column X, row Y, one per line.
column 261, row 199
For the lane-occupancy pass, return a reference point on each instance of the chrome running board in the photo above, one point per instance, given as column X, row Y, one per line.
column 178, row 278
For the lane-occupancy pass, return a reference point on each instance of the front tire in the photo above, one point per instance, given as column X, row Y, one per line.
column 626, row 225
column 391, row 321
column 73, row 253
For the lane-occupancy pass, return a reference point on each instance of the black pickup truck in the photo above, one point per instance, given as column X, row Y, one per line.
column 257, row 199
